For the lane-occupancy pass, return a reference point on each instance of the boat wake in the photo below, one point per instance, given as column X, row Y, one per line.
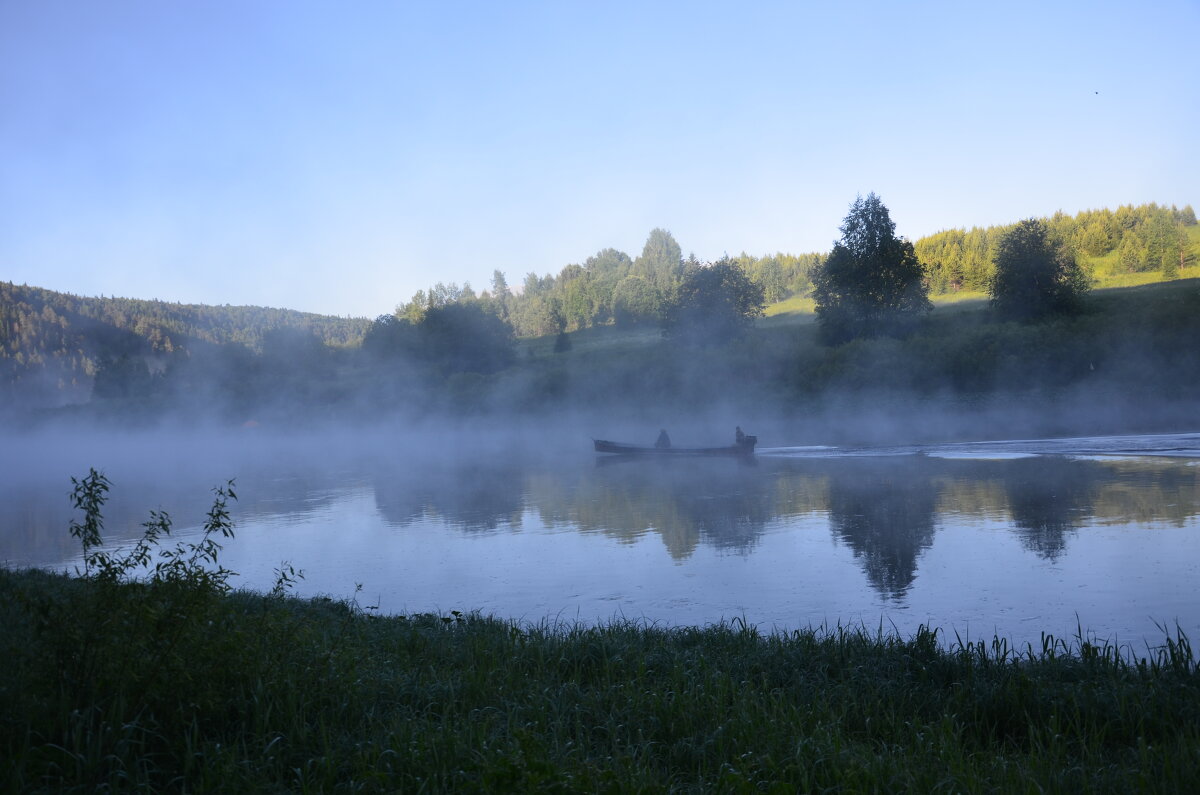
column 1175, row 445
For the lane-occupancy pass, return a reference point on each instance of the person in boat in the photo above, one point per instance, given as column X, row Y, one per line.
column 663, row 441
column 739, row 435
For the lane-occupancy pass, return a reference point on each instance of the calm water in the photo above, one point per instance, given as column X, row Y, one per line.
column 1014, row 538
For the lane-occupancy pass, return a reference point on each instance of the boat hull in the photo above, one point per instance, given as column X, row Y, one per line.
column 616, row 448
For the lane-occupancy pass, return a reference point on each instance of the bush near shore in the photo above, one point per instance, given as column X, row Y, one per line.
column 173, row 686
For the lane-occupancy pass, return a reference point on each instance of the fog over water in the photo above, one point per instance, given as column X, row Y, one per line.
column 1015, row 537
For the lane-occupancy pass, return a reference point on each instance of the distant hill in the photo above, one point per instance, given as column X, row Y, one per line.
column 51, row 343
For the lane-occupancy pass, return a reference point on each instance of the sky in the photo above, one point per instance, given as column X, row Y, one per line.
column 336, row 157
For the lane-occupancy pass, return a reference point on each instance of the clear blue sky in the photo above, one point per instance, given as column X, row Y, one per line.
column 336, row 157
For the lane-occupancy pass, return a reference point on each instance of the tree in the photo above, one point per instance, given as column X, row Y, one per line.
column 414, row 310
column 1165, row 241
column 872, row 282
column 635, row 301
column 500, row 289
column 122, row 378
column 389, row 336
column 661, row 262
column 605, row 270
column 465, row 338
column 715, row 304
column 1035, row 274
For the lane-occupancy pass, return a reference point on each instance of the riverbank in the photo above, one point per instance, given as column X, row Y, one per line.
column 184, row 687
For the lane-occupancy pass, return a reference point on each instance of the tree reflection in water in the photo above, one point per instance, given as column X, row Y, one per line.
column 721, row 502
column 472, row 495
column 1049, row 497
column 883, row 509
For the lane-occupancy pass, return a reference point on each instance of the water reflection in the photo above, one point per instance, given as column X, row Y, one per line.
column 884, row 510
column 472, row 495
column 722, row 503
column 1049, row 498
column 903, row 526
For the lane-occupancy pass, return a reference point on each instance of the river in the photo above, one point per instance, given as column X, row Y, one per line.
column 1012, row 538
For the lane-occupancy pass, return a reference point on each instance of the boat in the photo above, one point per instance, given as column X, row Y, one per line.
column 743, row 448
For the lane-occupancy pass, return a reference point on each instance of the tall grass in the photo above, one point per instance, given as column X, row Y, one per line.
column 187, row 687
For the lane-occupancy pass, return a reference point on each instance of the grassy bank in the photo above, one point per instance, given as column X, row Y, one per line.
column 174, row 687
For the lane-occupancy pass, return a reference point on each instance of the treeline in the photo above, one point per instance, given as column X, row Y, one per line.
column 53, row 344
column 55, row 347
column 613, row 288
column 1129, row 239
column 610, row 288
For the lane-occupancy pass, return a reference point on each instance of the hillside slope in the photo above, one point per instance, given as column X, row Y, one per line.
column 51, row 343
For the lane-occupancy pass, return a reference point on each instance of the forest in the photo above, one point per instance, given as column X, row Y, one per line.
column 656, row 329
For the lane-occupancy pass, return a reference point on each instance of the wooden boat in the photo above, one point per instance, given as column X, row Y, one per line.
column 746, row 447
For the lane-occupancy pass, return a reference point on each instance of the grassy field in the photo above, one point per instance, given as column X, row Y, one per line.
column 168, row 687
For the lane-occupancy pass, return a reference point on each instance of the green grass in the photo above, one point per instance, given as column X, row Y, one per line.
column 965, row 297
column 796, row 305
column 276, row 694
column 1112, row 280
column 597, row 338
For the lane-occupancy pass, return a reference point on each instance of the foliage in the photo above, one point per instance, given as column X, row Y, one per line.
column 661, row 261
column 464, row 337
column 192, row 563
column 1148, row 237
column 124, row 377
column 635, row 301
column 1034, row 274
column 612, row 288
column 132, row 637
column 871, row 283
column 389, row 336
column 53, row 344
column 715, row 304
column 780, row 275
column 957, row 260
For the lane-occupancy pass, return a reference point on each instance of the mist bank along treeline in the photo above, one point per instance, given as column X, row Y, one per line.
column 450, row 348
column 53, row 344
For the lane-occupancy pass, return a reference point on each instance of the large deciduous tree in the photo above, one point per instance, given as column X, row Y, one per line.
column 714, row 304
column 1035, row 274
column 635, row 301
column 661, row 262
column 872, row 283
column 465, row 338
